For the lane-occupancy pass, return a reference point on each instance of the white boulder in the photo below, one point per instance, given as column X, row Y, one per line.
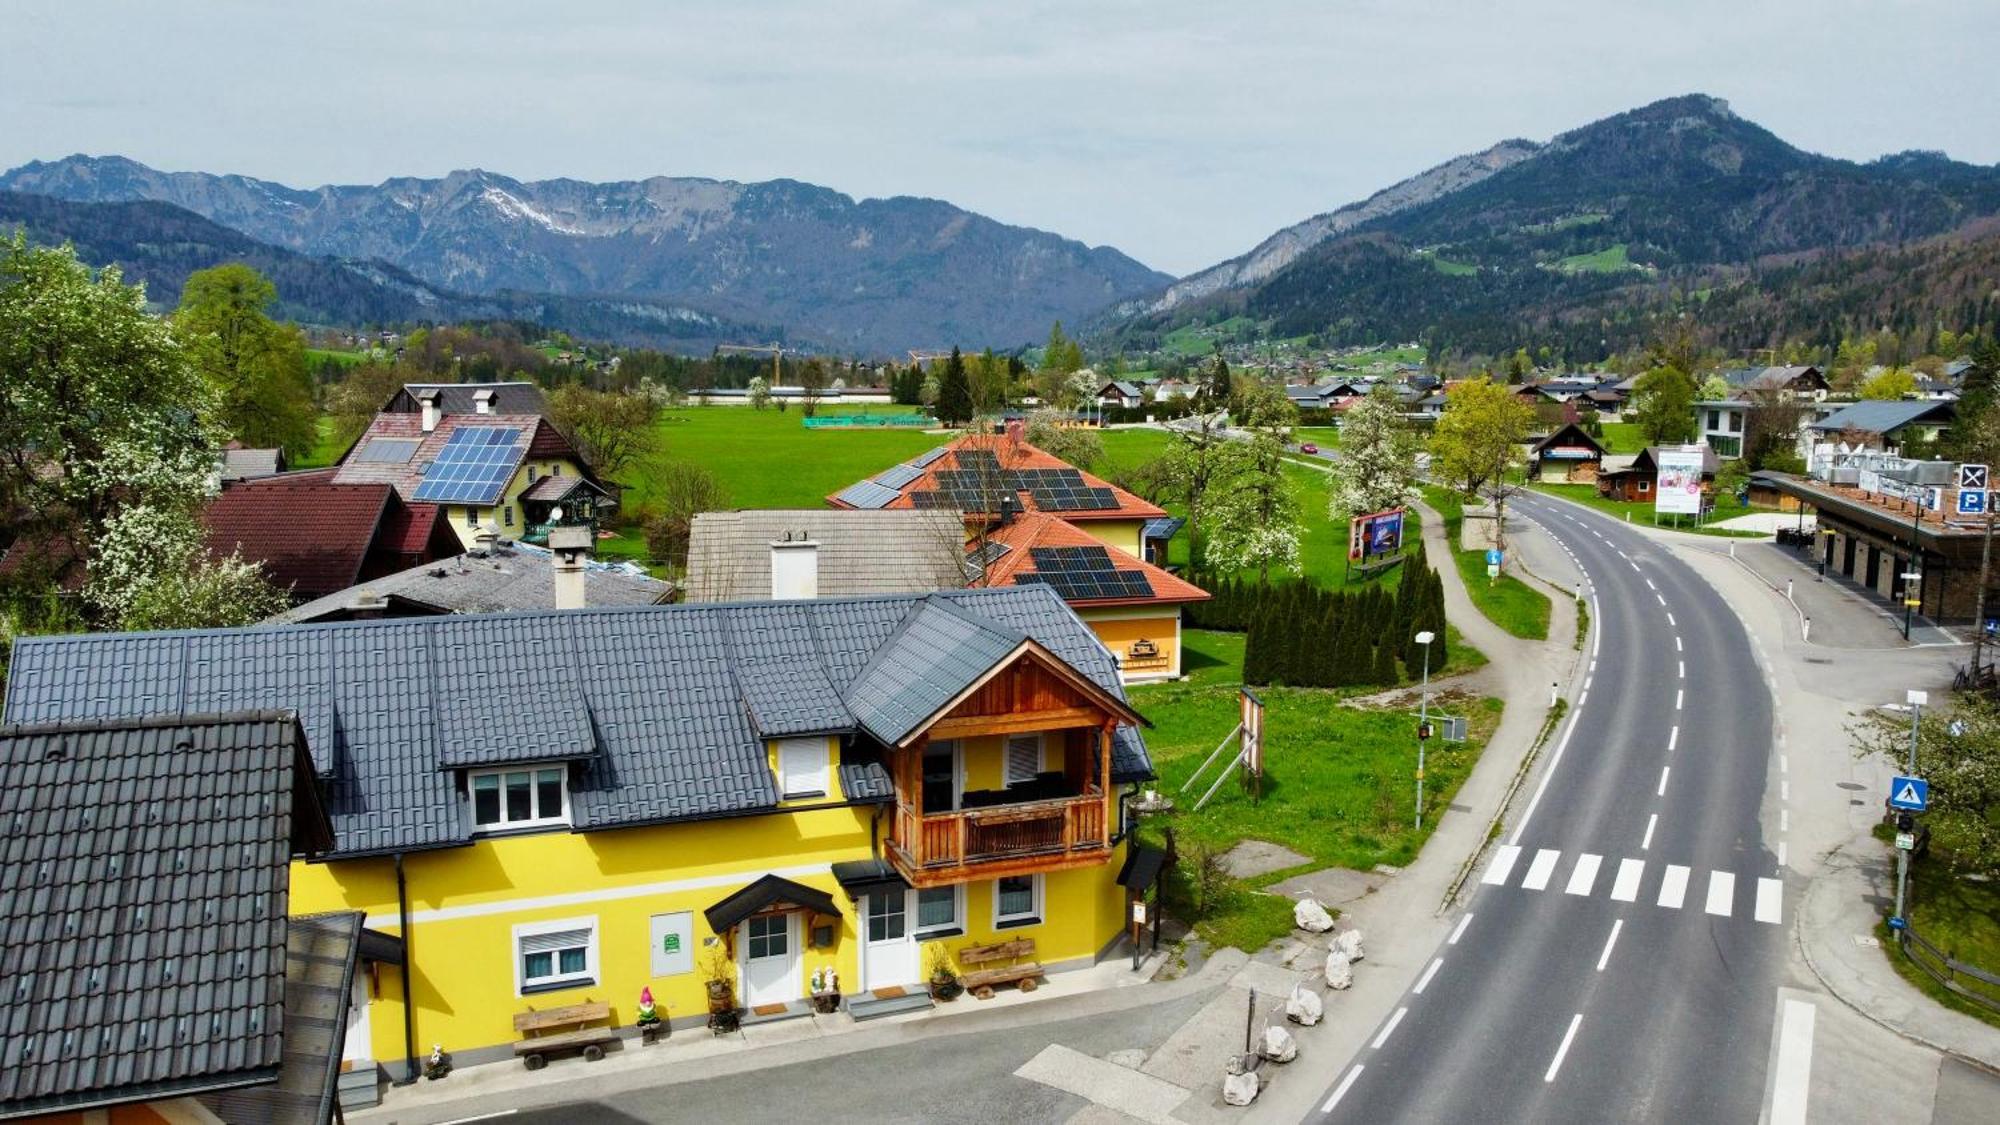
column 1349, row 942
column 1339, row 972
column 1278, row 1045
column 1239, row 1084
column 1310, row 916
column 1304, row 1007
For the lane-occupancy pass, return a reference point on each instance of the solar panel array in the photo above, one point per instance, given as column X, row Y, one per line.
column 987, row 554
column 980, row 485
column 472, row 468
column 1084, row 574
column 923, row 460
column 898, row 476
column 867, row 494
column 388, row 451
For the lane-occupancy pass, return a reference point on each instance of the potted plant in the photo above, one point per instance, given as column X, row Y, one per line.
column 438, row 1064
column 825, row 990
column 721, row 974
column 945, row 985
column 649, row 1022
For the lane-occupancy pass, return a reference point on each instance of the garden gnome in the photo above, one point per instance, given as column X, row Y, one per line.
column 1310, row 916
column 647, row 1012
column 1303, row 1007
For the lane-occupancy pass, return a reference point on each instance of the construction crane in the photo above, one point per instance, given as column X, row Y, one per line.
column 777, row 351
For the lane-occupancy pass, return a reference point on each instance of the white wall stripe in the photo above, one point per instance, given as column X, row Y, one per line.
column 602, row 894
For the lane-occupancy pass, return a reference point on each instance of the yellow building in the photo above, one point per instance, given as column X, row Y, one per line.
column 537, row 810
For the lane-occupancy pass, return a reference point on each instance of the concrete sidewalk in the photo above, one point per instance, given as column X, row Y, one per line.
column 1854, row 891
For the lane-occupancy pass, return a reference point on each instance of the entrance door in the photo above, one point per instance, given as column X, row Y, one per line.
column 1874, row 567
column 771, row 960
column 890, row 949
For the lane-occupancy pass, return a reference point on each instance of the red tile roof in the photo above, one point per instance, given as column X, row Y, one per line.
column 408, row 529
column 1038, row 530
column 1014, row 454
column 312, row 538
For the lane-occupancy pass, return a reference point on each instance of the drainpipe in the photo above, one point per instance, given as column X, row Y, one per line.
column 409, row 965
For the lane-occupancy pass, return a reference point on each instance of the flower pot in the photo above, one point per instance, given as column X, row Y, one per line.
column 826, row 1003
column 946, row 990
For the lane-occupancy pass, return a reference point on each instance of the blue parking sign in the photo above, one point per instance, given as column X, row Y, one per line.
column 1971, row 502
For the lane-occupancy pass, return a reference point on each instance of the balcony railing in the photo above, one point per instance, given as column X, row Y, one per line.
column 998, row 833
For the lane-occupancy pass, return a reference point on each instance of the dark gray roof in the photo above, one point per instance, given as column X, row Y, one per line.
column 1883, row 416
column 320, row 951
column 144, row 882
column 511, row 576
column 668, row 702
column 459, row 398
column 866, row 781
column 937, row 652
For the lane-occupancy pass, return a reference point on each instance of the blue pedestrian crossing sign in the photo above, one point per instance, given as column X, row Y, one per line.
column 1912, row 794
column 1492, row 556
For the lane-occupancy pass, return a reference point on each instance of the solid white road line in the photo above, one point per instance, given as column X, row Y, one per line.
column 1340, row 1091
column 1502, row 865
column 1664, row 771
column 1673, row 738
column 1604, row 958
column 1721, row 893
column 483, row 1117
column 1770, row 901
column 1673, row 888
column 1459, row 930
column 1794, row 1067
column 1555, row 1064
column 1383, row 1036
column 1539, row 871
column 1652, row 821
column 1436, row 964
column 1626, row 888
column 1543, row 786
column 1584, row 875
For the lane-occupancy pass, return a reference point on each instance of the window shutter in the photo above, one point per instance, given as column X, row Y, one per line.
column 1024, row 757
column 549, row 943
column 802, row 762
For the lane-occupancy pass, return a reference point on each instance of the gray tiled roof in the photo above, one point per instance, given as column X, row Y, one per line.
column 457, row 398
column 937, row 652
column 144, row 882
column 509, row 577
column 670, row 703
column 1882, row 416
column 861, row 551
column 320, row 953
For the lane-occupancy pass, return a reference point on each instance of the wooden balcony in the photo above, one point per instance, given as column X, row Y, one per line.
column 1000, row 839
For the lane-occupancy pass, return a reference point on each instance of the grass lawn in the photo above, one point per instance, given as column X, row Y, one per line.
column 1960, row 917
column 329, row 355
column 1611, row 259
column 325, row 449
column 769, row 459
column 1338, row 783
column 1623, row 437
column 1641, row 511
column 1508, row 602
column 1326, row 437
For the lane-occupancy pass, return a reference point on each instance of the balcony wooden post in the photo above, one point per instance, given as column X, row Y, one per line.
column 1104, row 779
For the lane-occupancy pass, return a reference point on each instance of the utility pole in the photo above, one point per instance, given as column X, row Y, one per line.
column 1917, row 700
column 1979, row 598
column 1423, row 720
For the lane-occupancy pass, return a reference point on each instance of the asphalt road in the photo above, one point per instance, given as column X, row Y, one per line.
column 1619, row 957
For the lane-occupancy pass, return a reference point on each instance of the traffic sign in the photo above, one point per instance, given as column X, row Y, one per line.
column 1971, row 502
column 1912, row 793
column 1906, row 841
column 1492, row 556
column 1492, row 570
column 1972, row 477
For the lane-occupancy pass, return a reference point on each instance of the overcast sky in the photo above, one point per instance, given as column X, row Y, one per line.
column 1179, row 132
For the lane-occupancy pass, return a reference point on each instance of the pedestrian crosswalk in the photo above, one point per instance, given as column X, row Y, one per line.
column 1629, row 880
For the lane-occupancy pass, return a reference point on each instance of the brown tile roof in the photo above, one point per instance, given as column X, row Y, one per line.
column 1036, row 530
column 1011, row 456
column 312, row 538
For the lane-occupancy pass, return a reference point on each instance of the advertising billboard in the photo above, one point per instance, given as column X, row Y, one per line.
column 1679, row 491
column 1375, row 534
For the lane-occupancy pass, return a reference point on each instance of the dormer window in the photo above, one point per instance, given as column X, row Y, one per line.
column 507, row 799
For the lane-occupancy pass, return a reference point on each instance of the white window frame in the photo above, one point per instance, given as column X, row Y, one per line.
column 558, row 981
column 955, row 927
column 534, row 796
column 1012, row 921
column 805, row 783
column 1007, row 757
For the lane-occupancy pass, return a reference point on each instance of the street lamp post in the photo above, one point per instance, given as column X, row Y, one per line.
column 1917, row 700
column 1423, row 720
column 1910, row 598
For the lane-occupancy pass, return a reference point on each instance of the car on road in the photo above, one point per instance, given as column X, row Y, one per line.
column 1308, row 447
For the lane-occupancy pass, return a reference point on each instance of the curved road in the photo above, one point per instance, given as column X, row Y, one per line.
column 1620, row 952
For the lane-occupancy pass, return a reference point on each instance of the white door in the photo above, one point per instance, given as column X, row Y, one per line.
column 890, row 951
column 357, row 1048
column 771, row 960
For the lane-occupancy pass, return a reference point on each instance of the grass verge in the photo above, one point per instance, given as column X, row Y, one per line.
column 1960, row 917
column 1641, row 511
column 1508, row 602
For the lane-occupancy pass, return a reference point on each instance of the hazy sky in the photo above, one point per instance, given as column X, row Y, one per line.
column 1179, row 132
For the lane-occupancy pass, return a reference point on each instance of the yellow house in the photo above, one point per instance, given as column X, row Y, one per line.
column 537, row 810
column 510, row 475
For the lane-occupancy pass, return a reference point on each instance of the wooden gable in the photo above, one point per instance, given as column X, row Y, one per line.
column 1031, row 692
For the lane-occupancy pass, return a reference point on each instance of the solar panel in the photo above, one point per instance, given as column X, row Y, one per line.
column 868, row 494
column 472, row 468
column 898, row 476
column 1085, row 574
column 987, row 554
column 923, row 460
column 388, row 451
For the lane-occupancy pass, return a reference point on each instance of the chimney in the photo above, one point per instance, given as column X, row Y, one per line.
column 429, row 401
column 482, row 402
column 794, row 568
column 571, row 547
column 1016, row 430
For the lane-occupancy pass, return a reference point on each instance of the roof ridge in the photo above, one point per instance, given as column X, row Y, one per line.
column 150, row 722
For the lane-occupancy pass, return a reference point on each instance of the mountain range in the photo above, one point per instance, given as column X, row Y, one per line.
column 1578, row 242
column 875, row 275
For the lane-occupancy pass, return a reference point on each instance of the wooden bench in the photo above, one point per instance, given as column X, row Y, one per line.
column 543, row 1032
column 1004, row 965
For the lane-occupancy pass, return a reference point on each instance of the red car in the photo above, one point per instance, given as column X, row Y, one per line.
column 1308, row 447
